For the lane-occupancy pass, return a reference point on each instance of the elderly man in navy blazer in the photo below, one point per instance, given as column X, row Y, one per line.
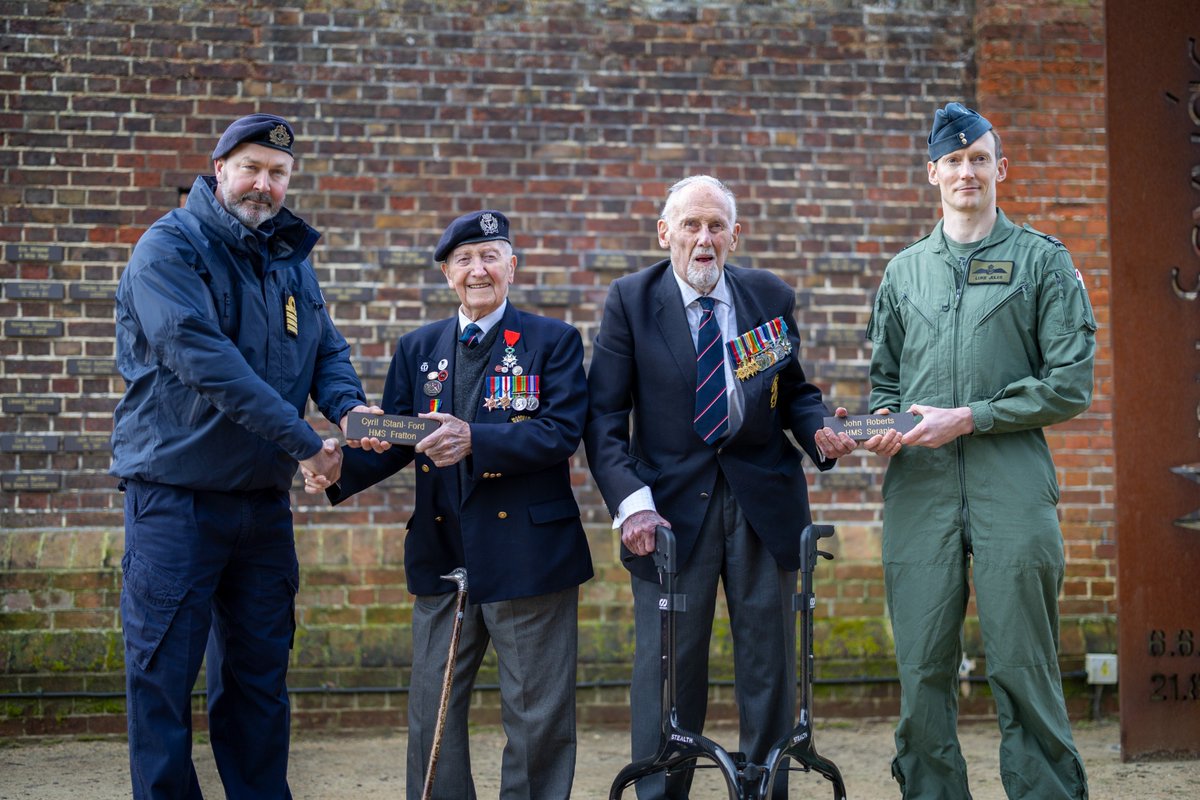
column 703, row 356
column 493, row 495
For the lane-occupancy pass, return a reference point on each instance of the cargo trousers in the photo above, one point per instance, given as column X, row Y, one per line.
column 208, row 573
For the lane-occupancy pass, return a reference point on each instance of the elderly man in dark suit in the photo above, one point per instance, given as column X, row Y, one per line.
column 493, row 494
column 690, row 333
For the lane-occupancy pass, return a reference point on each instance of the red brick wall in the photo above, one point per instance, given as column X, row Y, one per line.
column 573, row 117
column 1041, row 67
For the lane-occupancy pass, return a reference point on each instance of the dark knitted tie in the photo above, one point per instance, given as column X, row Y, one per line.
column 712, row 406
column 470, row 335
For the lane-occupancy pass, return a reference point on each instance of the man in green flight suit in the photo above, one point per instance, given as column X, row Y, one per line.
column 984, row 330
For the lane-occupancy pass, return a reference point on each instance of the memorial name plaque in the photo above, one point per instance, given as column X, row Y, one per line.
column 91, row 366
column 863, row 426
column 836, row 336
column 33, row 290
column 550, row 297
column 29, row 443
column 388, row 427
column 841, row 266
column 843, row 480
column 93, row 291
column 31, row 482
column 404, row 258
column 33, row 328
column 32, row 405
column 24, row 251
column 439, row 296
column 610, row 261
column 348, row 294
column 844, row 372
column 87, row 443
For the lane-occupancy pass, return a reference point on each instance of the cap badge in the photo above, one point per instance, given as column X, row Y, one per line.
column 962, row 137
column 279, row 136
column 489, row 225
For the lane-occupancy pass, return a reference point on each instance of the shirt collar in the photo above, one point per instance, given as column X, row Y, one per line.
column 720, row 292
column 485, row 322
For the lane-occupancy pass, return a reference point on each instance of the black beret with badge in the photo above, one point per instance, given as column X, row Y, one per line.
column 955, row 127
column 265, row 129
column 478, row 226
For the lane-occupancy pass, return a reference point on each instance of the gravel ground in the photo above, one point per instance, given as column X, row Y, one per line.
column 371, row 767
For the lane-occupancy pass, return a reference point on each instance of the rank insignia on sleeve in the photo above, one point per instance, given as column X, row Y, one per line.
column 289, row 317
column 758, row 349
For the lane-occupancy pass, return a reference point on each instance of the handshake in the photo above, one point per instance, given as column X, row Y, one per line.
column 322, row 469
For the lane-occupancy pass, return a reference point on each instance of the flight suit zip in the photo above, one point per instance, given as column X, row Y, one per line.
column 960, row 279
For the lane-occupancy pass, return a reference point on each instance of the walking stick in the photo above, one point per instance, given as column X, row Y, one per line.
column 459, row 576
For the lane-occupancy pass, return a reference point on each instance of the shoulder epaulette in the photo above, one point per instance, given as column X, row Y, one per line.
column 918, row 241
column 1045, row 236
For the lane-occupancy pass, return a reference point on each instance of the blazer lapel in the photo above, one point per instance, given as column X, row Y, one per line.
column 509, row 331
column 673, row 324
column 444, row 348
column 750, row 314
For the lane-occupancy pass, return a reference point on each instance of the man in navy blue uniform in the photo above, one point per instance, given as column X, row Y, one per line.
column 703, row 357
column 222, row 337
column 493, row 495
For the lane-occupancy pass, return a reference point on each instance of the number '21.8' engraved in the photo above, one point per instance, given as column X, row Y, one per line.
column 1174, row 687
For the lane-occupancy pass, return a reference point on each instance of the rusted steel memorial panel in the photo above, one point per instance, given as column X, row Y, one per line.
column 1153, row 75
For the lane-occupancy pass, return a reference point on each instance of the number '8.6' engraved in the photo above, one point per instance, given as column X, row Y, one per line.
column 1183, row 644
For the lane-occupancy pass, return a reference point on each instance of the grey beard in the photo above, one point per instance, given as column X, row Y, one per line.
column 703, row 278
column 251, row 219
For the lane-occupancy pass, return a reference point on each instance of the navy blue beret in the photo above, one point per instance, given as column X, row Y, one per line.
column 955, row 127
column 478, row 226
column 265, row 129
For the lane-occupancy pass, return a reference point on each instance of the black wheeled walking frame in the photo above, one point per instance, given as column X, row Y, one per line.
column 680, row 749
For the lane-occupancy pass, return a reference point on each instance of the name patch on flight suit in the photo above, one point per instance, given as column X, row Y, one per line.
column 990, row 272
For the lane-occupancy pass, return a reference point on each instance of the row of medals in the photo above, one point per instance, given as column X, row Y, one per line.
column 520, row 402
column 763, row 359
column 435, row 380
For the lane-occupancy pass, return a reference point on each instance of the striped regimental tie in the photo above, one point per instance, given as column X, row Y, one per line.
column 712, row 406
column 470, row 335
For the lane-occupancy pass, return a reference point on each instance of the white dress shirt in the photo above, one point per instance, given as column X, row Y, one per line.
column 485, row 322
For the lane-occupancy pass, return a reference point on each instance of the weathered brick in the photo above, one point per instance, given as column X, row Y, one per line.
column 577, row 123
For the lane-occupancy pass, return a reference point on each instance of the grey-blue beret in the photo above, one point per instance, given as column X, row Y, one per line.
column 478, row 226
column 265, row 129
column 955, row 127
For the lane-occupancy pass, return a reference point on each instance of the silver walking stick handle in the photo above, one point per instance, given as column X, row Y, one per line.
column 458, row 576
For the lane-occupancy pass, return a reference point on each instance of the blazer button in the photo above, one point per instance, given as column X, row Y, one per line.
column 424, row 468
column 496, row 475
column 439, row 519
column 503, row 515
column 704, row 495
